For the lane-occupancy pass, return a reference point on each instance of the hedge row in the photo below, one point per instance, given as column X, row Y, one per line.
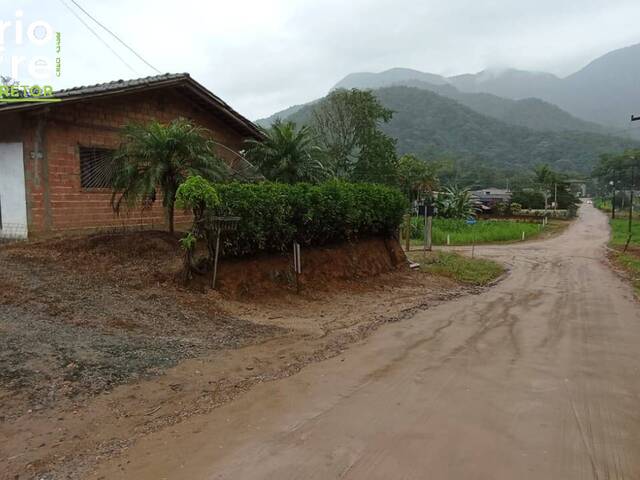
column 275, row 215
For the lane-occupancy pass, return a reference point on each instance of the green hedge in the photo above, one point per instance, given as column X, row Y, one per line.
column 273, row 215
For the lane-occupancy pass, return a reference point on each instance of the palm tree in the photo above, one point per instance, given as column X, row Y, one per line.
column 287, row 154
column 454, row 202
column 161, row 156
column 415, row 177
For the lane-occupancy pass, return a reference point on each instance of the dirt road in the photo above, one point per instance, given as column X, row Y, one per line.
column 537, row 378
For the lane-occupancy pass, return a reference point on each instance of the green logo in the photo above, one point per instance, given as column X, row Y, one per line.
column 26, row 93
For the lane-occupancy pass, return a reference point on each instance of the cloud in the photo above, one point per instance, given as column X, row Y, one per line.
column 264, row 56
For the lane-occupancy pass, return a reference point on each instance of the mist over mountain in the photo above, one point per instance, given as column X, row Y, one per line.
column 529, row 112
column 507, row 118
column 387, row 78
column 606, row 91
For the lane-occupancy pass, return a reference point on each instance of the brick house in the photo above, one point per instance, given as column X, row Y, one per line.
column 54, row 157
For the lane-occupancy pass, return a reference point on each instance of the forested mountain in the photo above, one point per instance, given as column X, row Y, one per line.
column 387, row 78
column 426, row 123
column 530, row 112
column 431, row 125
column 606, row 91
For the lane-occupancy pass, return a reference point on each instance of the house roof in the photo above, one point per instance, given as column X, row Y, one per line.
column 188, row 85
column 491, row 191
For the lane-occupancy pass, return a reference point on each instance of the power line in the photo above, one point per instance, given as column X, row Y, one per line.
column 97, row 36
column 115, row 36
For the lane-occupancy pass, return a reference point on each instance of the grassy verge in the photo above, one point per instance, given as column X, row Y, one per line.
column 620, row 231
column 472, row 271
column 631, row 264
column 485, row 231
column 629, row 260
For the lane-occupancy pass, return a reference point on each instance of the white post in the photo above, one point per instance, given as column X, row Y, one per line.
column 297, row 264
column 448, row 239
column 522, row 235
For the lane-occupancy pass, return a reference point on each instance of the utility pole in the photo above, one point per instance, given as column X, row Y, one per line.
column 613, row 201
column 633, row 184
column 429, row 211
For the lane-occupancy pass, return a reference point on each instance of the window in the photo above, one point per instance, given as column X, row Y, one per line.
column 96, row 167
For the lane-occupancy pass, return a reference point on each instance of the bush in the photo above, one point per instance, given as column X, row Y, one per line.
column 274, row 215
column 201, row 197
column 515, row 208
column 196, row 193
column 528, row 199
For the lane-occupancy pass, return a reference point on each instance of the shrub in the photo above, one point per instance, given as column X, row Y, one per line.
column 197, row 194
column 528, row 199
column 274, row 215
column 516, row 208
column 201, row 197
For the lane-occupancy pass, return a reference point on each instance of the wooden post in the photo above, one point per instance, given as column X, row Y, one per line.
column 297, row 264
column 215, row 261
column 407, row 232
column 633, row 181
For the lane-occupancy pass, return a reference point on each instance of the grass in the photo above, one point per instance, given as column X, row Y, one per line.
column 471, row 271
column 620, row 231
column 630, row 260
column 484, row 231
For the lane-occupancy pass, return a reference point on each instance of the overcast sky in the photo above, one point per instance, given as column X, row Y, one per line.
column 262, row 56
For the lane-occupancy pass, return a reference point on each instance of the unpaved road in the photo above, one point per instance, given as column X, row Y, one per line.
column 537, row 378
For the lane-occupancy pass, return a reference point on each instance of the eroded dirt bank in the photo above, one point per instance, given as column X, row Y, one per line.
column 99, row 346
column 536, row 378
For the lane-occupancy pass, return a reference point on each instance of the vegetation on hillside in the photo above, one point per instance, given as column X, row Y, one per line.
column 617, row 171
column 341, row 139
column 481, row 148
column 427, row 124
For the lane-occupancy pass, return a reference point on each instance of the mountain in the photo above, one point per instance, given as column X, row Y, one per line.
column 387, row 78
column 530, row 112
column 287, row 112
column 508, row 83
column 606, row 91
column 431, row 125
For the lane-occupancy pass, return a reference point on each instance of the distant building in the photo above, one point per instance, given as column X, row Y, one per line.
column 489, row 197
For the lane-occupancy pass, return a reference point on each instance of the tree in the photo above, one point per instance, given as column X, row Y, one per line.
column 161, row 156
column 618, row 168
column 415, row 177
column 346, row 124
column 454, row 202
column 552, row 184
column 287, row 154
column 528, row 198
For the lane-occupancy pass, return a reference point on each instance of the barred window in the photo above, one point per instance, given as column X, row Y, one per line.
column 96, row 167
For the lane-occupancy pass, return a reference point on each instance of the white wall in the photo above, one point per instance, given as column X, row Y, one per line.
column 13, row 202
